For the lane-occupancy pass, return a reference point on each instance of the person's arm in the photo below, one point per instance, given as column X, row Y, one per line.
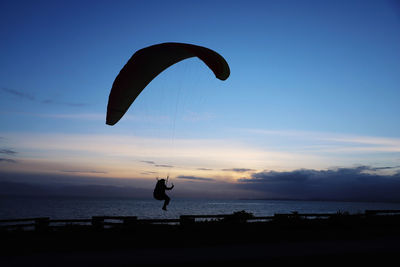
column 169, row 188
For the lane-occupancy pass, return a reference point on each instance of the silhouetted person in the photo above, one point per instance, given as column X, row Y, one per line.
column 159, row 192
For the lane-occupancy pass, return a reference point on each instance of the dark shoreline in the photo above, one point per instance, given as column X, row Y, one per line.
column 288, row 239
column 324, row 200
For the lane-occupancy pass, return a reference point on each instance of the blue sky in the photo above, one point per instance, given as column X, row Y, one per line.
column 314, row 85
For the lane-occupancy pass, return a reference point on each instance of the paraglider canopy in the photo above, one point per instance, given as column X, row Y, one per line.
column 146, row 64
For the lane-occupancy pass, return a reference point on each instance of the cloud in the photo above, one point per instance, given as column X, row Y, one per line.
column 238, row 170
column 163, row 166
column 383, row 168
column 7, row 160
column 150, row 162
column 23, row 95
column 83, row 171
column 187, row 177
column 18, row 93
column 71, row 104
column 332, row 142
column 204, row 169
column 148, row 173
column 361, row 183
column 7, row 151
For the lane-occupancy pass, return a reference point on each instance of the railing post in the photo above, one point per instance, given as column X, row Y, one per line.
column 42, row 224
column 98, row 222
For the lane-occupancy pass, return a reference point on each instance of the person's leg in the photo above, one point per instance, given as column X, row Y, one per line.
column 166, row 202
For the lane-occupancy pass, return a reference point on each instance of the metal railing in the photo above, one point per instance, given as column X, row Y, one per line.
column 101, row 222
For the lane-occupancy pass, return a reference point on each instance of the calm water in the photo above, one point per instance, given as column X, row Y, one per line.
column 68, row 208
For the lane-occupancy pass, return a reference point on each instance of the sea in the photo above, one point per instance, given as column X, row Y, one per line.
column 85, row 208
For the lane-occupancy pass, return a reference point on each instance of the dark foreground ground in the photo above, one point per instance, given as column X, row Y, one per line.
column 316, row 242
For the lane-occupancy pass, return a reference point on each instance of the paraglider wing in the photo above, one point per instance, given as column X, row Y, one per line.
column 147, row 63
